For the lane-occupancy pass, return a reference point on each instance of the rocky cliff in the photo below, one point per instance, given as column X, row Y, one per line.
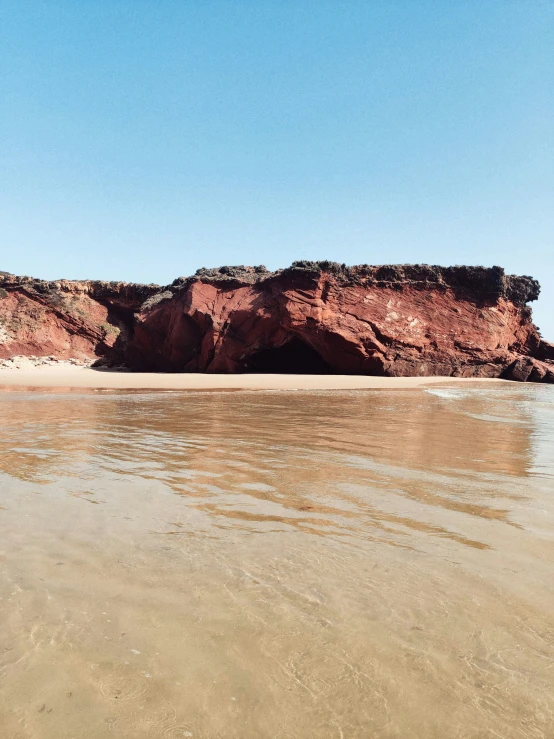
column 316, row 317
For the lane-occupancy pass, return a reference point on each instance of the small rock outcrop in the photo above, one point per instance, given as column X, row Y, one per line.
column 314, row 317
column 68, row 319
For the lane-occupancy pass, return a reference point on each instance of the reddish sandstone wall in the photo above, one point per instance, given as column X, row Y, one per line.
column 313, row 317
column 67, row 319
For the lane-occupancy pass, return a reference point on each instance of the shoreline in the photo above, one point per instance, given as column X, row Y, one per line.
column 88, row 378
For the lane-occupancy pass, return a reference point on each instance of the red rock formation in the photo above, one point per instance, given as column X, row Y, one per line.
column 67, row 319
column 313, row 317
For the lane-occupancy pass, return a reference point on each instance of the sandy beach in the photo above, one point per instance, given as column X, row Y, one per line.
column 84, row 377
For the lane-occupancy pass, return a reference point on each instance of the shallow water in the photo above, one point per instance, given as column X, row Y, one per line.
column 311, row 564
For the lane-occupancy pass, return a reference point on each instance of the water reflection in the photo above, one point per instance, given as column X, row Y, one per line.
column 368, row 563
column 278, row 456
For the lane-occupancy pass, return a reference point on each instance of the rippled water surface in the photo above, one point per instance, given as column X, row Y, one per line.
column 278, row 565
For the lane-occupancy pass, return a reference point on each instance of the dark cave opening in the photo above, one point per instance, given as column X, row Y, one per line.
column 293, row 358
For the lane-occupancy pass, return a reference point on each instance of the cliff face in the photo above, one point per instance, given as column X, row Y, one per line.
column 313, row 317
column 67, row 319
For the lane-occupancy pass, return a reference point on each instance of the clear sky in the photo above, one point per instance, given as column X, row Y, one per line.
column 142, row 139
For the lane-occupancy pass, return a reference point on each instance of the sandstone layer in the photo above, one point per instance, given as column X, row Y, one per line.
column 314, row 317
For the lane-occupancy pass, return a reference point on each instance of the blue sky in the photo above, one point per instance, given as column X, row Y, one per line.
column 142, row 139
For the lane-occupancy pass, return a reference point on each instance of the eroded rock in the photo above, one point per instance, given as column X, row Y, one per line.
column 394, row 320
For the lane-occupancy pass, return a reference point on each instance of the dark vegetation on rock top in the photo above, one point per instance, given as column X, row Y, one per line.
column 488, row 280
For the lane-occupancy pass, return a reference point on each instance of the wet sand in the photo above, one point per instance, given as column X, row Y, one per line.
column 80, row 377
column 301, row 565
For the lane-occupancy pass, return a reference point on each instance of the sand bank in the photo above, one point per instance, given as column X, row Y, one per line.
column 85, row 377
